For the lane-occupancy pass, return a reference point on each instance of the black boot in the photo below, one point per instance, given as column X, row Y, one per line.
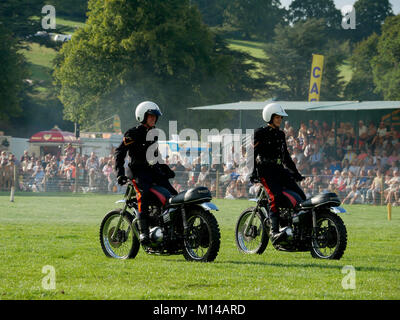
column 144, row 237
column 275, row 235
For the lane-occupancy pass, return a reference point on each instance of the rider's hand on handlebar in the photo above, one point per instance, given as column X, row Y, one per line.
column 122, row 180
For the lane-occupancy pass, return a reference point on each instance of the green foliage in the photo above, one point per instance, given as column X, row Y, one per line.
column 361, row 85
column 13, row 71
column 370, row 14
column 290, row 56
column 212, row 11
column 254, row 18
column 74, row 9
column 386, row 63
column 303, row 10
column 130, row 51
column 15, row 16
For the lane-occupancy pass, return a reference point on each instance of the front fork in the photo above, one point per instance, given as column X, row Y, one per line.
column 128, row 195
column 315, row 226
column 250, row 222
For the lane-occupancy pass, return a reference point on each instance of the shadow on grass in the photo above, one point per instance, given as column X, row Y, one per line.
column 306, row 265
column 296, row 265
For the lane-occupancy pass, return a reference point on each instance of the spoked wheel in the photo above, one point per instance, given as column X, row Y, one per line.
column 203, row 239
column 251, row 235
column 331, row 239
column 121, row 243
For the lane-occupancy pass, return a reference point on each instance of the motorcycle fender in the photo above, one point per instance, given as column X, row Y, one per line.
column 208, row 206
column 120, row 201
column 338, row 210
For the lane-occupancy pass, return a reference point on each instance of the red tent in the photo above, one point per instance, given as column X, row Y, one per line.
column 53, row 141
column 55, row 135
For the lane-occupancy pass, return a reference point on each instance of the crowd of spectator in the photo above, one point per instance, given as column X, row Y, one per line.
column 67, row 172
column 363, row 169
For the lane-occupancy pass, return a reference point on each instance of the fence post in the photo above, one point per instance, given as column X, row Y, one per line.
column 76, row 178
column 389, row 210
column 13, row 183
column 217, row 185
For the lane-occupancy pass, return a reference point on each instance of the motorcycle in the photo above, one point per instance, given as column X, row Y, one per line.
column 182, row 224
column 310, row 225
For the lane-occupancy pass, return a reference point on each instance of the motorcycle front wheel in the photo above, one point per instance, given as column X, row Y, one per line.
column 202, row 241
column 251, row 235
column 121, row 243
column 331, row 240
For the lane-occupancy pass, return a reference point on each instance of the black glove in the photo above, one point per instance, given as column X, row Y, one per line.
column 254, row 177
column 298, row 177
column 166, row 171
column 122, row 180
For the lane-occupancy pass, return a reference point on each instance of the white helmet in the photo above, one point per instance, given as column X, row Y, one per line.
column 144, row 108
column 273, row 108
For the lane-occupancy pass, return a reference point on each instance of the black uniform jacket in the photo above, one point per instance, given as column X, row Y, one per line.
column 135, row 144
column 270, row 149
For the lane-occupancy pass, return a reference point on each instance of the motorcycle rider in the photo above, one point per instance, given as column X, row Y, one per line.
column 270, row 154
column 145, row 171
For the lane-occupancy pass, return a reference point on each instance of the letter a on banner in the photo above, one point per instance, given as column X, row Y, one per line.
column 316, row 77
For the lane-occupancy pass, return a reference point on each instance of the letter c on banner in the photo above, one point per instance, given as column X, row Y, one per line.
column 315, row 75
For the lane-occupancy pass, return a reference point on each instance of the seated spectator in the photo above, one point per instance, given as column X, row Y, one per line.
column 354, row 196
column 349, row 156
column 38, row 176
column 375, row 189
column 342, row 184
column 393, row 188
column 202, row 179
column 231, row 191
column 392, row 158
column 354, row 168
column 364, row 181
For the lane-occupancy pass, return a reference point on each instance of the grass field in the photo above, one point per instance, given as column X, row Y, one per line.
column 62, row 231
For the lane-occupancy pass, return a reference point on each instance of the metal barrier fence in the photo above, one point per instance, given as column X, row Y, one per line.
column 228, row 185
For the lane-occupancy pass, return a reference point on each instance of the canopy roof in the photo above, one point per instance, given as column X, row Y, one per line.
column 306, row 106
column 55, row 135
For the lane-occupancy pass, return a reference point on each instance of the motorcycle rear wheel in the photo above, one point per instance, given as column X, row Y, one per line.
column 256, row 239
column 203, row 239
column 331, row 240
column 125, row 244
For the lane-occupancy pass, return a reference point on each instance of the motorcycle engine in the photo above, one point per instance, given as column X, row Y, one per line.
column 156, row 235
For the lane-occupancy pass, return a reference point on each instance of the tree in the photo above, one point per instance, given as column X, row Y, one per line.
column 15, row 16
column 386, row 63
column 290, row 56
column 370, row 14
column 362, row 86
column 13, row 70
column 255, row 17
column 302, row 10
column 212, row 11
column 136, row 50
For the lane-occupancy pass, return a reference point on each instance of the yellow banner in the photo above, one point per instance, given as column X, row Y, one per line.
column 117, row 124
column 316, row 77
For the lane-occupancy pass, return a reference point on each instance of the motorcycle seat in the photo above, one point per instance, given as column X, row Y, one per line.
column 329, row 198
column 193, row 195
